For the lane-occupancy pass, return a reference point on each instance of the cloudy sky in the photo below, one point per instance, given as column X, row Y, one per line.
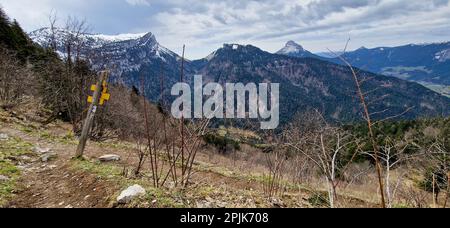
column 204, row 25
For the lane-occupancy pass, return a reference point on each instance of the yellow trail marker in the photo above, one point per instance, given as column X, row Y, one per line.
column 105, row 96
column 105, row 87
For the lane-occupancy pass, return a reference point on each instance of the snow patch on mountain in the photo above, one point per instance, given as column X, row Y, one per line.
column 118, row 38
column 291, row 48
column 45, row 36
column 443, row 56
column 123, row 52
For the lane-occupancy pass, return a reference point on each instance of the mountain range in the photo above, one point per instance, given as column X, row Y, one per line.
column 307, row 81
column 427, row 64
column 129, row 57
column 421, row 63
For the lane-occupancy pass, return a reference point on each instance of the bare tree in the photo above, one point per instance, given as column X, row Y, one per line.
column 323, row 145
column 392, row 154
column 78, row 76
column 53, row 20
column 367, row 117
column 64, row 85
column 439, row 163
column 16, row 80
column 74, row 41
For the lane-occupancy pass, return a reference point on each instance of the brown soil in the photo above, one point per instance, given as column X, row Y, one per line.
column 55, row 184
column 62, row 188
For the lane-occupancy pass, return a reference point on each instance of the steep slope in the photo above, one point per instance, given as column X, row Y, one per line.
column 129, row 57
column 145, row 58
column 307, row 83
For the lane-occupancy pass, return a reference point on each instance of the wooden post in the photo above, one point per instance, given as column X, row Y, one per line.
column 434, row 191
column 448, row 190
column 183, row 165
column 91, row 114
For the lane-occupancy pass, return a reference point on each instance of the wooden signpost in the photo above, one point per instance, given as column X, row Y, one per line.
column 100, row 96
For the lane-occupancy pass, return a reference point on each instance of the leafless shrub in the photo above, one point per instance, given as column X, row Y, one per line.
column 142, row 155
column 323, row 145
column 65, row 84
column 16, row 79
column 190, row 148
column 273, row 181
column 121, row 117
column 300, row 169
column 155, row 143
column 177, row 146
column 168, row 155
column 414, row 197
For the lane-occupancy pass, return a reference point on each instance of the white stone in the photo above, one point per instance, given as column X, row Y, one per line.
column 4, row 137
column 48, row 156
column 109, row 158
column 130, row 194
column 40, row 150
column 25, row 158
column 3, row 178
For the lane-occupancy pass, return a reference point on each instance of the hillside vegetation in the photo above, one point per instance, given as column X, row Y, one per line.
column 312, row 161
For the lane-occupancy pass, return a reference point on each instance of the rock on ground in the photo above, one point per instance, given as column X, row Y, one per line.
column 39, row 150
column 3, row 178
column 48, row 157
column 130, row 194
column 45, row 154
column 109, row 158
column 4, row 137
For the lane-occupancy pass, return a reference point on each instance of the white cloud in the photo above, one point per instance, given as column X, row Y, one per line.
column 204, row 25
column 317, row 24
column 138, row 2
